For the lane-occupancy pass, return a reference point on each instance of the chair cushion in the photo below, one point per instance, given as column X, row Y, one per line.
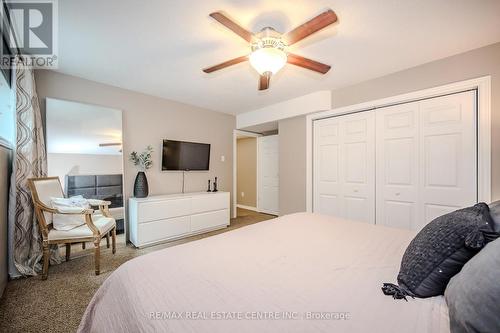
column 104, row 224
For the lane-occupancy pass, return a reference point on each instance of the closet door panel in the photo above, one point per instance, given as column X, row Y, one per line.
column 344, row 164
column 327, row 187
column 359, row 166
column 397, row 165
column 358, row 209
column 448, row 154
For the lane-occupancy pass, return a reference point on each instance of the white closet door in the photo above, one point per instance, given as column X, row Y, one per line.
column 344, row 167
column 448, row 154
column 426, row 159
column 327, row 158
column 268, row 177
column 397, row 166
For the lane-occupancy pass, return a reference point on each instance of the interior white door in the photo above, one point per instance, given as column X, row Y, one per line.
column 344, row 167
column 448, row 154
column 268, row 174
column 397, row 158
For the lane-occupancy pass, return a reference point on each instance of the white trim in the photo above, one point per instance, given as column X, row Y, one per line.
column 483, row 86
column 247, row 207
column 257, row 175
column 268, row 212
column 235, row 166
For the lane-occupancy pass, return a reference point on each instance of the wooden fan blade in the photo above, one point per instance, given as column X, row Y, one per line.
column 307, row 63
column 319, row 22
column 233, row 26
column 264, row 81
column 225, row 64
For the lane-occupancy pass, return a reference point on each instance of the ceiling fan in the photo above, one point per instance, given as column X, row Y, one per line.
column 269, row 47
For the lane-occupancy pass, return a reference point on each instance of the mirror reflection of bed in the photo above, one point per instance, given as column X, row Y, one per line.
column 84, row 149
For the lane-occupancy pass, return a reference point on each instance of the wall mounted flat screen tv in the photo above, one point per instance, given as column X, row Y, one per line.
column 186, row 156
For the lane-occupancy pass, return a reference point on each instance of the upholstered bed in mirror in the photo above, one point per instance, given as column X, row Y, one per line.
column 103, row 187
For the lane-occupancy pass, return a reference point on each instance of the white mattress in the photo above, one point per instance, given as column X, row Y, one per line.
column 286, row 267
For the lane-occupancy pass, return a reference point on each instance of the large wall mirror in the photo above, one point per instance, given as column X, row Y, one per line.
column 84, row 149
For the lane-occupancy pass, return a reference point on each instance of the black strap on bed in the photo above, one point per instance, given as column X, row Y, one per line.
column 395, row 291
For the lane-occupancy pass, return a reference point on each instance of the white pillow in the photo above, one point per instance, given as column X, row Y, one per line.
column 76, row 204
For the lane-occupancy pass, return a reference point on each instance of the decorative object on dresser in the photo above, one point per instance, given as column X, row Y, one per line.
column 141, row 186
column 144, row 162
column 209, row 189
column 215, row 185
column 167, row 217
column 94, row 228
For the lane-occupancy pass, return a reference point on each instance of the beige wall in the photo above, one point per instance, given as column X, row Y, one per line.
column 147, row 120
column 61, row 165
column 247, row 171
column 5, row 160
column 292, row 166
column 469, row 65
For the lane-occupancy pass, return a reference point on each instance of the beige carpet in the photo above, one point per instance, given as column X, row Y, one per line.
column 58, row 303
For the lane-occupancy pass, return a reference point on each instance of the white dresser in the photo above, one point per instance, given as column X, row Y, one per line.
column 166, row 217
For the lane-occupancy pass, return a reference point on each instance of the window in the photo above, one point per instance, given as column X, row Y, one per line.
column 5, row 50
column 7, row 119
column 7, row 100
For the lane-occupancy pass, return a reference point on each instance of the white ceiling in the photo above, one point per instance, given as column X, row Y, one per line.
column 77, row 128
column 159, row 47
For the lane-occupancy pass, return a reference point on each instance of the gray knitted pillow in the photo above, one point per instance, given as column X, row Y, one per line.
column 440, row 249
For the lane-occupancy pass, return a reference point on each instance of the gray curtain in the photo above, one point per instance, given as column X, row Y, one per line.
column 30, row 160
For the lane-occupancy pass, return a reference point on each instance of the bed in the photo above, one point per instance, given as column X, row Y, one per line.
column 102, row 187
column 273, row 276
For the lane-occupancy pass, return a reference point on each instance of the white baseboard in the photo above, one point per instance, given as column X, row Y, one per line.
column 247, row 207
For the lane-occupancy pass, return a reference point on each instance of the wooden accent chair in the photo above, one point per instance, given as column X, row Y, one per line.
column 96, row 225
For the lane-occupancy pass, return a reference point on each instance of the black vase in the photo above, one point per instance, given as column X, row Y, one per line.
column 141, row 188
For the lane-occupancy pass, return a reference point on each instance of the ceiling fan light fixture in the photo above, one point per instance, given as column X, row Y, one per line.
column 268, row 59
column 269, row 47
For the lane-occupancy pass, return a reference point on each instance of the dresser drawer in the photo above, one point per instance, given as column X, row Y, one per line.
column 209, row 220
column 159, row 210
column 163, row 229
column 210, row 202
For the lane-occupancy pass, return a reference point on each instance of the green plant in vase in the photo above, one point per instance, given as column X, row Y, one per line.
column 144, row 162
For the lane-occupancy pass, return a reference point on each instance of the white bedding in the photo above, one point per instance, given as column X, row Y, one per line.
column 285, row 267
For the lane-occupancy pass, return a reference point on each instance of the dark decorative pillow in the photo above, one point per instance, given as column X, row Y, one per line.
column 440, row 249
column 473, row 294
